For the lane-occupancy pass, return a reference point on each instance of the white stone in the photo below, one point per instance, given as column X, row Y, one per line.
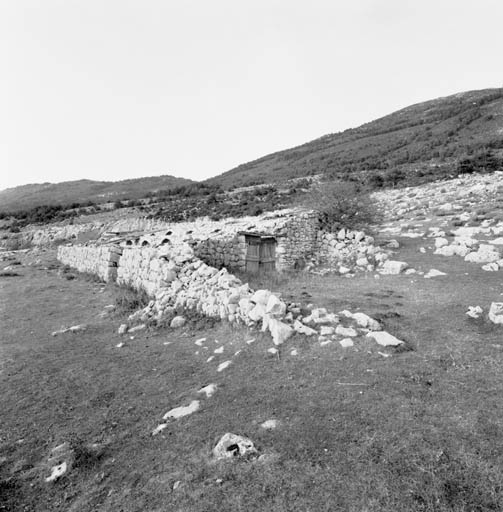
column 177, row 322
column 491, row 267
column 159, row 428
column 326, row 330
column 496, row 312
column 346, row 342
column 180, row 412
column 345, row 331
column 474, row 311
column 303, row 329
column 275, row 307
column 122, row 329
column 270, row 424
column 223, row 366
column 441, row 242
column 384, row 338
column 280, row 331
column 394, row 267
column 261, row 297
column 209, row 390
column 232, row 445
column 366, row 321
column 57, row 472
column 434, row 273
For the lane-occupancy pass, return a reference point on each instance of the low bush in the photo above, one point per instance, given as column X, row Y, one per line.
column 129, row 299
column 342, row 204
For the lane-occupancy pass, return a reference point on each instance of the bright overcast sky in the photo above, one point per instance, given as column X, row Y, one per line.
column 115, row 89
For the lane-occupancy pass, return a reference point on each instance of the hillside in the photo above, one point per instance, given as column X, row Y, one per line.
column 82, row 191
column 422, row 139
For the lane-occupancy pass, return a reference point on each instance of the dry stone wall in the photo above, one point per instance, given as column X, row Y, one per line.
column 348, row 250
column 221, row 252
column 101, row 260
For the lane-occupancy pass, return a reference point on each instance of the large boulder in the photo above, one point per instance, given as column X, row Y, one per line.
column 496, row 313
column 232, row 445
column 280, row 331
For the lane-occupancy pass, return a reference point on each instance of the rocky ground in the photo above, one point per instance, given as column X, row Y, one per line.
column 97, row 420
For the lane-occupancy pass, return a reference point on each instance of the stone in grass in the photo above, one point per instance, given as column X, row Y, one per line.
column 345, row 331
column 346, row 342
column 326, row 330
column 122, row 329
column 491, row 267
column 223, row 366
column 270, row 424
column 209, row 390
column 180, row 412
column 384, row 338
column 280, row 331
column 140, row 327
column 474, row 311
column 177, row 322
column 366, row 321
column 60, row 461
column 496, row 313
column 233, row 445
column 394, row 267
column 434, row 273
column 57, row 472
column 303, row 329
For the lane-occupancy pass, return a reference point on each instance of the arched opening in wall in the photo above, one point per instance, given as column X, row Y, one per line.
column 260, row 252
column 145, row 243
column 165, row 241
column 168, row 233
column 129, row 242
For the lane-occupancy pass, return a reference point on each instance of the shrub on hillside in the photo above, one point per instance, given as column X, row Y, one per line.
column 342, row 204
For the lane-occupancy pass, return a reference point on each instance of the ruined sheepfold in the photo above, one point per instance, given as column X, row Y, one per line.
column 178, row 281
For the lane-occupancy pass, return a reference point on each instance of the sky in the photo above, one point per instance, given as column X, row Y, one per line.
column 117, row 89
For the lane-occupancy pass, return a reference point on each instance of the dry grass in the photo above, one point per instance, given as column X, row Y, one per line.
column 418, row 431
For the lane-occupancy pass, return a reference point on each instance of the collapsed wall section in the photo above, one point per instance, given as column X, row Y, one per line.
column 101, row 260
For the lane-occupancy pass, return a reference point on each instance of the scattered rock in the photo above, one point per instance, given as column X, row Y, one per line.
column 122, row 329
column 74, row 328
column 180, row 412
column 209, row 390
column 474, row 311
column 270, row 424
column 496, row 313
column 393, row 267
column 434, row 273
column 232, row 445
column 177, row 322
column 345, row 331
column 137, row 328
column 384, row 338
column 223, row 366
column 366, row 321
column 346, row 342
column 57, row 472
column 159, row 429
column 280, row 331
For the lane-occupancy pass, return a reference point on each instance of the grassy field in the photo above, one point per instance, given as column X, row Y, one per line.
column 419, row 430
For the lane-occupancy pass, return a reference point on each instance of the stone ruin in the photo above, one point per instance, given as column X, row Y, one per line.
column 187, row 266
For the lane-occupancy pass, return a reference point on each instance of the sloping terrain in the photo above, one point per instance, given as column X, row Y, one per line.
column 82, row 191
column 422, row 139
column 416, row 427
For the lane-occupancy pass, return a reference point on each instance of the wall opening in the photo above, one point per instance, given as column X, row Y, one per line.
column 260, row 253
